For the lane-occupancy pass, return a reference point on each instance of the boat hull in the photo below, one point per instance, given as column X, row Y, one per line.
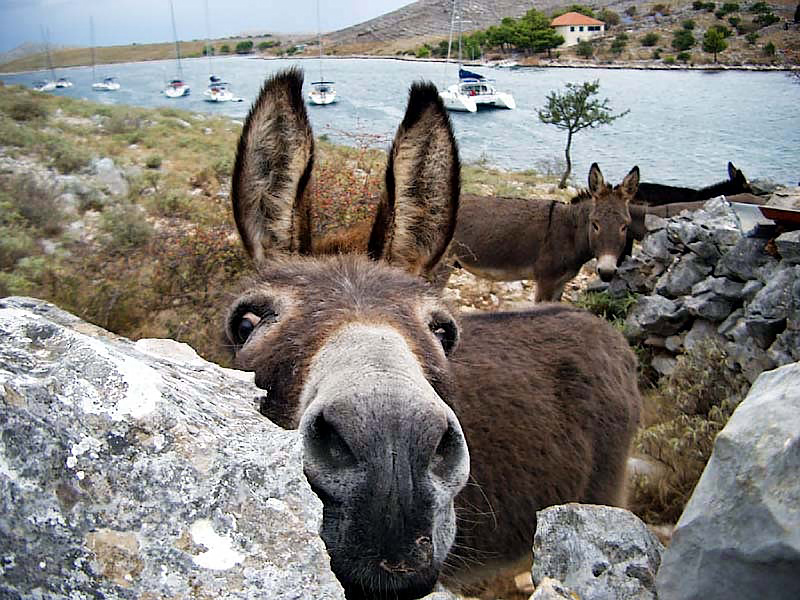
column 177, row 92
column 105, row 87
column 321, row 98
column 458, row 102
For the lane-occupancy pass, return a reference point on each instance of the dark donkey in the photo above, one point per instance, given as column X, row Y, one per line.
column 504, row 239
column 398, row 404
column 656, row 194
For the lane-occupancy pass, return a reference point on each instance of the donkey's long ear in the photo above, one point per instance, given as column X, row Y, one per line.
column 596, row 180
column 630, row 184
column 735, row 174
column 273, row 166
column 416, row 217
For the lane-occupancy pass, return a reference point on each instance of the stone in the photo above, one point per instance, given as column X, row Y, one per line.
column 552, row 589
column 708, row 306
column 702, row 330
column 786, row 348
column 110, row 177
column 788, row 245
column 737, row 537
column 750, row 289
column 766, row 315
column 742, row 262
column 599, row 552
column 728, row 326
column 658, row 246
column 654, row 222
column 749, row 359
column 684, row 273
column 655, row 315
column 720, row 220
column 663, row 364
column 142, row 471
column 721, row 286
column 674, row 343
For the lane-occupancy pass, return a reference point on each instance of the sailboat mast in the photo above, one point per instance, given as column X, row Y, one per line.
column 460, row 31
column 91, row 35
column 46, row 38
column 175, row 37
column 208, row 42
column 450, row 40
column 319, row 43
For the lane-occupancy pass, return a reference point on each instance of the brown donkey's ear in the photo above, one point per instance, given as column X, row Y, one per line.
column 630, row 184
column 273, row 166
column 416, row 217
column 596, row 181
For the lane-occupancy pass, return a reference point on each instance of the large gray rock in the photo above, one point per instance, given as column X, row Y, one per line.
column 125, row 473
column 599, row 552
column 110, row 177
column 655, row 315
column 743, row 261
column 739, row 536
column 788, row 245
column 686, row 272
column 766, row 315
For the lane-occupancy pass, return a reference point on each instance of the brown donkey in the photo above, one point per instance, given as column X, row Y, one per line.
column 504, row 239
column 431, row 442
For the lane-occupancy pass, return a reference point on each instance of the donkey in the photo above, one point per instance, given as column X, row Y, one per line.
column 656, row 194
column 398, row 402
column 505, row 239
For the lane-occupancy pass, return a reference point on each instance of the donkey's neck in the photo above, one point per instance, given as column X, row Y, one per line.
column 577, row 215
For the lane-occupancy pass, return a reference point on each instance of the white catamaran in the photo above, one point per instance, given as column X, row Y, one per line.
column 473, row 91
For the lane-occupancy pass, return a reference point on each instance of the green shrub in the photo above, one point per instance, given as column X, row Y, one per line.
column 153, row 161
column 27, row 109
column 650, row 39
column 769, row 49
column 121, row 123
column 423, row 52
column 766, row 19
column 656, row 54
column 606, row 306
column 584, row 49
column 661, row 9
column 631, row 10
column 698, row 5
column 618, row 45
column 223, row 167
column 171, row 204
column 688, row 409
column 751, row 37
column 734, row 21
column 225, row 49
column 683, row 57
column 688, row 24
column 245, row 47
column 35, row 203
column 683, row 40
column 669, row 60
column 67, row 157
column 125, row 227
column 15, row 243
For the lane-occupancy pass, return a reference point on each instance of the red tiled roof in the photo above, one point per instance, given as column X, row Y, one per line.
column 574, row 18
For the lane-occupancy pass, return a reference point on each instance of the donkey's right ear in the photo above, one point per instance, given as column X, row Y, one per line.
column 273, row 165
column 596, row 180
column 416, row 217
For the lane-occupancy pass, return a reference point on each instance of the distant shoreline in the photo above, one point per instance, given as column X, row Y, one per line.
column 555, row 64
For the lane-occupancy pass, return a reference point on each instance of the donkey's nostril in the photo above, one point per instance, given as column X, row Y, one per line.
column 327, row 445
column 449, row 453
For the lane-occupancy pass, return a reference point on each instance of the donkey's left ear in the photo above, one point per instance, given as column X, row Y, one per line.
column 273, row 165
column 735, row 174
column 630, row 184
column 596, row 180
column 416, row 217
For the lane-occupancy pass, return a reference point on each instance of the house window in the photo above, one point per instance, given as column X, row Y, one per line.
column 594, row 27
column 572, row 28
column 581, row 28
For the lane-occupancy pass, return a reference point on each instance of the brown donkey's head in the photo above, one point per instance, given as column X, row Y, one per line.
column 352, row 350
column 609, row 218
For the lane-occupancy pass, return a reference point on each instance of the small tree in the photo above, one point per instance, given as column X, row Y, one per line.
column 683, row 57
column 751, row 37
column 769, row 49
column 576, row 109
column 224, row 49
column 245, row 47
column 714, row 42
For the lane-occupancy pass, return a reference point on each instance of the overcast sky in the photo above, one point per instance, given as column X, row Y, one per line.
column 126, row 21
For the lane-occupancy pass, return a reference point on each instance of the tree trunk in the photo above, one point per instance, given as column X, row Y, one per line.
column 563, row 183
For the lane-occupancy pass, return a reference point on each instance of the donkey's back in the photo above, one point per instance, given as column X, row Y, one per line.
column 551, row 422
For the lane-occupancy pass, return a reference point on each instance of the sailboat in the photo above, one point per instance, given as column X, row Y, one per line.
column 322, row 92
column 217, row 90
column 176, row 88
column 109, row 84
column 46, row 85
column 473, row 90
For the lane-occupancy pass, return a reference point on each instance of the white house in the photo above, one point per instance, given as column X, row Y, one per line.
column 575, row 27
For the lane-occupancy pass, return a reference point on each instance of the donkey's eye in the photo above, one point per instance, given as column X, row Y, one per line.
column 246, row 326
column 446, row 332
column 623, row 228
column 595, row 226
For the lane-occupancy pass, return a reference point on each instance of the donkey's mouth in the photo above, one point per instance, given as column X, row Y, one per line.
column 393, row 588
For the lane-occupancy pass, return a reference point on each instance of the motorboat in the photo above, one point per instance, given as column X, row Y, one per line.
column 109, row 84
column 44, row 86
column 474, row 91
column 177, row 88
column 506, row 64
column 63, row 82
column 322, row 92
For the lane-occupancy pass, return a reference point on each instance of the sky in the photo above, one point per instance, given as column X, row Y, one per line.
column 143, row 21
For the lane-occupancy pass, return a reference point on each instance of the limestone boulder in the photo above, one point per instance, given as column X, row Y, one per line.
column 138, row 470
column 597, row 552
column 739, row 535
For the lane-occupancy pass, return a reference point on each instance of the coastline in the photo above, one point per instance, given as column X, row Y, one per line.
column 649, row 65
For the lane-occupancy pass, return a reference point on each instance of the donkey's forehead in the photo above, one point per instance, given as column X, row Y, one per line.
column 349, row 280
